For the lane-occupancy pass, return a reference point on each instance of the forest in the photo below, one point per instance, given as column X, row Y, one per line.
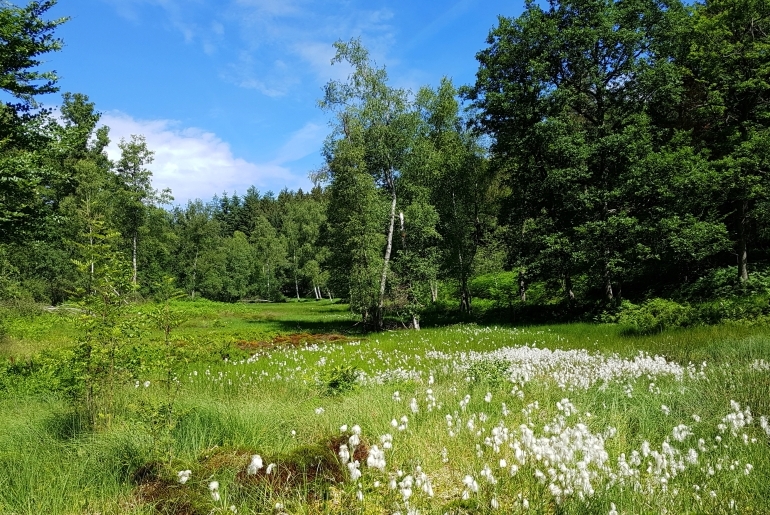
column 610, row 160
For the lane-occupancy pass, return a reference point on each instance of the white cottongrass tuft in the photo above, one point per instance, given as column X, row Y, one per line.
column 376, row 459
column 214, row 489
column 255, row 465
column 183, row 476
column 344, row 454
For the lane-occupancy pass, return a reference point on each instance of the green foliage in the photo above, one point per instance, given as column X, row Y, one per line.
column 338, row 379
column 501, row 287
column 490, row 372
column 99, row 364
column 654, row 316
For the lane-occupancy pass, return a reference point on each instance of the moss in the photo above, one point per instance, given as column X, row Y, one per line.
column 307, row 473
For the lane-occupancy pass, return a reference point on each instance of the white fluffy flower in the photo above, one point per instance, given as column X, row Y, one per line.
column 255, row 465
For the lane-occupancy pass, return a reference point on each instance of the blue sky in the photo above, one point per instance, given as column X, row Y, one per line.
column 225, row 92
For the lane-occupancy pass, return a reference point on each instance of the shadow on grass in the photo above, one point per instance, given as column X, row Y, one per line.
column 289, row 325
column 67, row 425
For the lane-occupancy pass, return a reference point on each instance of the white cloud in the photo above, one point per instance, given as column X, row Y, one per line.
column 198, row 164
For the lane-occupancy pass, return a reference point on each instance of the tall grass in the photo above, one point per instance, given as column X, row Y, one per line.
column 274, row 403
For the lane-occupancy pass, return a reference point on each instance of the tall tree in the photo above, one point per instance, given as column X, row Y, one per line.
column 564, row 91
column 728, row 66
column 379, row 119
column 138, row 194
column 24, row 36
column 452, row 165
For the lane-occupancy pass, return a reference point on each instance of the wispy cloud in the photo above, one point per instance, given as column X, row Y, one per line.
column 198, row 164
column 272, row 46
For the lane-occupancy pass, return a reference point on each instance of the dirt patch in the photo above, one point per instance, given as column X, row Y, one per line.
column 291, row 340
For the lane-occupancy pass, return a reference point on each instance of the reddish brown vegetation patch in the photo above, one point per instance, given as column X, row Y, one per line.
column 309, row 471
column 291, row 340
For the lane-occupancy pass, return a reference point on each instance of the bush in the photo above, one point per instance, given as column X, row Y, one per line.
column 491, row 372
column 654, row 316
column 338, row 379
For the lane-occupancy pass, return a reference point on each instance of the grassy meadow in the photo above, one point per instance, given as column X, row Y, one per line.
column 289, row 408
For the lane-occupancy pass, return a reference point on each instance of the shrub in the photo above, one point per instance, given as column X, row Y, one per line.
column 654, row 316
column 491, row 372
column 338, row 379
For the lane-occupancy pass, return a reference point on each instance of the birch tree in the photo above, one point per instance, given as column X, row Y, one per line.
column 379, row 120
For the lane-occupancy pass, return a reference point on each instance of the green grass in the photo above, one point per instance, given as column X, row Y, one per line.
column 271, row 396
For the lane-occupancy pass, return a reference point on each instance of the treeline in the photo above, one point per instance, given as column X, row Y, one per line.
column 608, row 150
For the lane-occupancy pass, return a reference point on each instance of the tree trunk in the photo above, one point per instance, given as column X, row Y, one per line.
column 329, row 293
column 743, row 260
column 568, row 289
column 133, row 257
column 608, row 285
column 434, row 291
column 522, row 287
column 415, row 323
column 388, row 249
column 195, row 268
column 296, row 284
column 465, row 296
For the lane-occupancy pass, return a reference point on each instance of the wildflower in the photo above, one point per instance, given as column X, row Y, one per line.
column 665, row 409
column 270, row 469
column 214, row 489
column 413, row 405
column 613, row 509
column 406, row 487
column 344, row 453
column 486, row 472
column 494, row 504
column 184, row 476
column 488, row 397
column 376, row 459
column 681, row 432
column 355, row 471
column 319, row 410
column 255, row 465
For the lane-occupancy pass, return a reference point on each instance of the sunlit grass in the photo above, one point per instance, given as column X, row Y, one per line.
column 456, row 402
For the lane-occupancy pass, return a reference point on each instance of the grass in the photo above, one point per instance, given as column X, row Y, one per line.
column 481, row 394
